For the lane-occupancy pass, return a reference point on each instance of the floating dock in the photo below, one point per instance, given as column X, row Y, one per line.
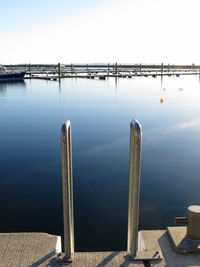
column 101, row 71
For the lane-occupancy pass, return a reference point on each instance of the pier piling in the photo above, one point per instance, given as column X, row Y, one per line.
column 59, row 69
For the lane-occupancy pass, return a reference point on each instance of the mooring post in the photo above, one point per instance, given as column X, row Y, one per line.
column 161, row 69
column 67, row 187
column 134, row 186
column 72, row 69
column 59, row 69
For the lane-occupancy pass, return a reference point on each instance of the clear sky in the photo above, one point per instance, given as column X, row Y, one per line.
column 77, row 31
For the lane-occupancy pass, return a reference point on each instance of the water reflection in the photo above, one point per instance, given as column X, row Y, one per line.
column 59, row 82
column 116, row 83
column 30, row 176
column 3, row 87
column 19, row 85
column 161, row 81
column 162, row 134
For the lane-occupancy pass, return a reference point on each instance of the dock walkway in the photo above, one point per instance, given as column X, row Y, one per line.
column 40, row 249
column 101, row 71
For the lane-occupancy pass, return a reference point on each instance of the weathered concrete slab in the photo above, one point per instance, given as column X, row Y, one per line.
column 40, row 249
column 27, row 249
column 159, row 240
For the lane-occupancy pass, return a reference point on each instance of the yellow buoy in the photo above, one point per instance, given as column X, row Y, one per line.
column 161, row 100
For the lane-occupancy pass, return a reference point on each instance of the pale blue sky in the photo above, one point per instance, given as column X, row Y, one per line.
column 19, row 14
column 88, row 31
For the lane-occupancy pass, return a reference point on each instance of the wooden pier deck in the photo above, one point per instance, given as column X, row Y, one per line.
column 40, row 249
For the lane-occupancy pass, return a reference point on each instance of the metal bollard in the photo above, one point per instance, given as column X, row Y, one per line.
column 134, row 186
column 192, row 221
column 67, row 186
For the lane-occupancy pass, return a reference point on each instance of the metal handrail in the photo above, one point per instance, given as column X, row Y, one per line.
column 134, row 189
column 134, row 186
column 67, row 187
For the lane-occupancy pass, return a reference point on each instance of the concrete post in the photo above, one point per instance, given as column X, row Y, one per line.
column 134, row 186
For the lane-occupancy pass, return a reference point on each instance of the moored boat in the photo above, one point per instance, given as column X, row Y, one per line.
column 11, row 76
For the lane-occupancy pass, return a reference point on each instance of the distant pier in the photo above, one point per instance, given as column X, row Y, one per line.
column 102, row 71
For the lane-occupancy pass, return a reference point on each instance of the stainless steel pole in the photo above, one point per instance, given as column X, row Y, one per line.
column 134, row 186
column 67, row 186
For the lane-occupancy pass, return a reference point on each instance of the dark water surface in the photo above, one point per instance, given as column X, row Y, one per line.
column 31, row 114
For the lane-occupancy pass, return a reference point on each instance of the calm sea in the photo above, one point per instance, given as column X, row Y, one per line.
column 31, row 114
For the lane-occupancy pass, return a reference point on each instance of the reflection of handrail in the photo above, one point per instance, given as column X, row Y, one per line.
column 134, row 186
column 67, row 187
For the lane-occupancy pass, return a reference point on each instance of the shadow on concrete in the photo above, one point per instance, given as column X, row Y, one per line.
column 128, row 261
column 52, row 263
column 105, row 262
column 108, row 258
column 175, row 259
